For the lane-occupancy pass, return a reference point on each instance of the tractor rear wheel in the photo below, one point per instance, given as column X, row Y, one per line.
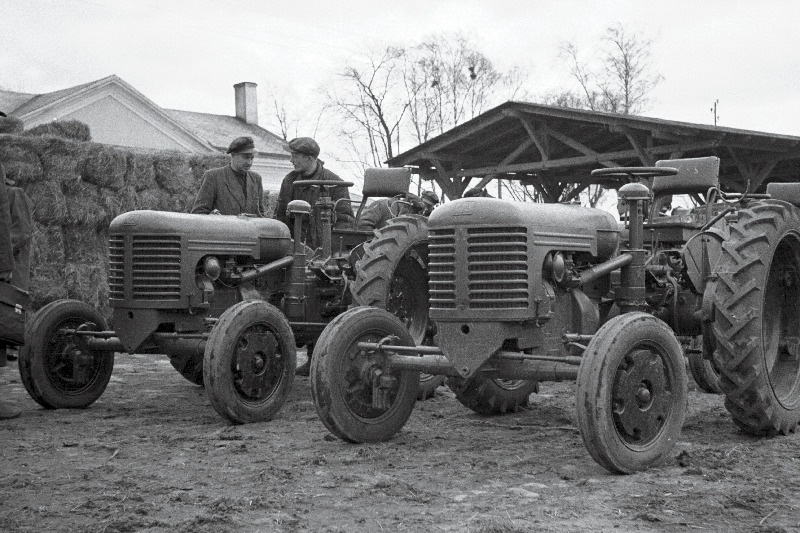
column 702, row 366
column 249, row 362
column 492, row 396
column 393, row 274
column 757, row 318
column 345, row 379
column 54, row 366
column 189, row 366
column 631, row 396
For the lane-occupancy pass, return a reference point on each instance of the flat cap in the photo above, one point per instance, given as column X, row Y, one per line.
column 242, row 145
column 431, row 197
column 303, row 145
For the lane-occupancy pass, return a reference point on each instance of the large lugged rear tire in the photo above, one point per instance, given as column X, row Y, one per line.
column 343, row 377
column 488, row 397
column 757, row 318
column 393, row 275
column 249, row 362
column 632, row 395
column 55, row 370
column 189, row 366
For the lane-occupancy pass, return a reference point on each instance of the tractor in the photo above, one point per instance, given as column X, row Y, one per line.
column 526, row 293
column 228, row 299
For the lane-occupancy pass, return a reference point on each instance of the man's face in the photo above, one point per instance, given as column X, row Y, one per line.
column 242, row 162
column 303, row 163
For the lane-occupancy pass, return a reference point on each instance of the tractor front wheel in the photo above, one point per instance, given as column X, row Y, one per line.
column 357, row 395
column 632, row 393
column 249, row 362
column 55, row 366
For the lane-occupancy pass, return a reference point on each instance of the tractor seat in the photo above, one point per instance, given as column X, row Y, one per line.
column 788, row 192
column 695, row 176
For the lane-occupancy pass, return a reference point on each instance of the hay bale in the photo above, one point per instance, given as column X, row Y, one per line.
column 150, row 199
column 48, row 284
column 47, row 260
column 173, row 172
column 87, row 282
column 86, row 204
column 47, row 202
column 47, row 245
column 67, row 129
column 179, row 202
column 62, row 160
column 105, row 167
column 140, row 173
column 201, row 163
column 270, row 203
column 11, row 125
column 20, row 157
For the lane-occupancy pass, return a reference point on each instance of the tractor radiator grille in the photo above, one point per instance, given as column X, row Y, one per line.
column 154, row 267
column 441, row 269
column 488, row 265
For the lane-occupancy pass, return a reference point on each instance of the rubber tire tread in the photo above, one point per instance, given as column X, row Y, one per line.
column 331, row 354
column 218, row 374
column 382, row 255
column 488, row 398
column 742, row 271
column 39, row 329
column 595, row 413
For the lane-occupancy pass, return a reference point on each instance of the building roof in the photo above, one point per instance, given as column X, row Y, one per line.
column 214, row 132
column 551, row 146
column 219, row 130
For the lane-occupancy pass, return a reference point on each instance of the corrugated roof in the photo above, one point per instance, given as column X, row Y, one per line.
column 220, row 130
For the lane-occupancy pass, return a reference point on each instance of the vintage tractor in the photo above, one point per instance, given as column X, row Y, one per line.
column 525, row 293
column 227, row 298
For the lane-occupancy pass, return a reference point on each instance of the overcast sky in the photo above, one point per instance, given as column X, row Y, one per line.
column 187, row 54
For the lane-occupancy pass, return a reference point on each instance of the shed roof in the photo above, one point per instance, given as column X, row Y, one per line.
column 551, row 146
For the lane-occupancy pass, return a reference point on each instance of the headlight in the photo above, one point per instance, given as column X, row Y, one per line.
column 212, row 267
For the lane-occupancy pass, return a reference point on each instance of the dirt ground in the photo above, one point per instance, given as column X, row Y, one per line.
column 152, row 455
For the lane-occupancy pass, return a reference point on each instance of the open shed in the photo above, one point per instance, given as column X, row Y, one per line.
column 553, row 148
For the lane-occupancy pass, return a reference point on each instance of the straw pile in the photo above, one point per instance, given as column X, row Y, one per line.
column 68, row 129
column 76, row 189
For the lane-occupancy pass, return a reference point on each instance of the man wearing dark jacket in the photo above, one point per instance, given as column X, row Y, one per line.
column 307, row 166
column 233, row 189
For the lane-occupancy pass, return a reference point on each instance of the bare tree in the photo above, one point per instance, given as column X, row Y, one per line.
column 619, row 81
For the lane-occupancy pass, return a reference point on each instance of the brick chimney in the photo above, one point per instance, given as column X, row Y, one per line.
column 246, row 102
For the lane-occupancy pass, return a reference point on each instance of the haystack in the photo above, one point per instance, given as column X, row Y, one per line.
column 20, row 159
column 105, row 167
column 201, row 163
column 11, row 125
column 85, row 203
column 67, row 129
column 62, row 159
column 140, row 173
column 47, row 202
column 173, row 172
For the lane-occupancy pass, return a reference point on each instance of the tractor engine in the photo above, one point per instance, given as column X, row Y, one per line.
column 508, row 276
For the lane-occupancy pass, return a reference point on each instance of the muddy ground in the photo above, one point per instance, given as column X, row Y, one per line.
column 152, row 455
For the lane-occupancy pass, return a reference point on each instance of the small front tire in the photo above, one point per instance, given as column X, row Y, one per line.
column 249, row 362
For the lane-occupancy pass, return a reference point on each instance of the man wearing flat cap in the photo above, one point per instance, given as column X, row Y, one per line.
column 379, row 213
column 307, row 166
column 233, row 189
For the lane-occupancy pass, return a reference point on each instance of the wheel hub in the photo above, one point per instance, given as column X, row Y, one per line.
column 257, row 363
column 641, row 397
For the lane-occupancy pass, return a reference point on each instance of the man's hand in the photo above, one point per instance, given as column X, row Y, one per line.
column 215, row 212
